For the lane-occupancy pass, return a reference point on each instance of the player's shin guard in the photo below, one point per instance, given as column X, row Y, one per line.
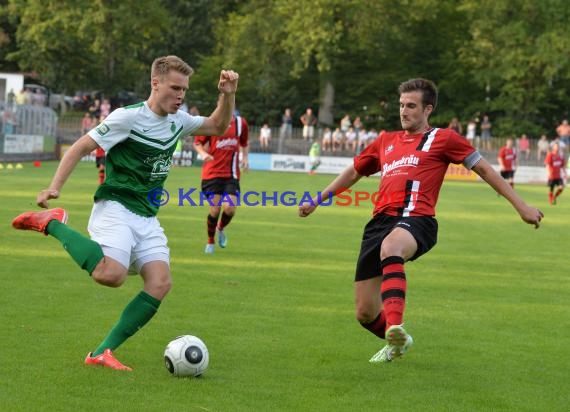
column 136, row 314
column 211, row 224
column 377, row 326
column 393, row 290
column 84, row 251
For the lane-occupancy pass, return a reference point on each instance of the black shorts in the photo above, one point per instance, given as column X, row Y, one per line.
column 99, row 161
column 555, row 182
column 220, row 186
column 507, row 174
column 422, row 228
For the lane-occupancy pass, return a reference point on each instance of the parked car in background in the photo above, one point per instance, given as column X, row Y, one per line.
column 84, row 98
column 125, row 98
column 43, row 96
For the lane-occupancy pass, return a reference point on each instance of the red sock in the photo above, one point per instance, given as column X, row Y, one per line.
column 393, row 290
column 211, row 223
column 101, row 177
column 558, row 193
column 377, row 326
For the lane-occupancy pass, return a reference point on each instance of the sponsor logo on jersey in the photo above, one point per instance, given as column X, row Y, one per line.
column 405, row 161
column 160, row 169
column 160, row 165
column 103, row 129
column 226, row 142
column 389, row 149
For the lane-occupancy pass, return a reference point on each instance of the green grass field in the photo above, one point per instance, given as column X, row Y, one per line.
column 488, row 308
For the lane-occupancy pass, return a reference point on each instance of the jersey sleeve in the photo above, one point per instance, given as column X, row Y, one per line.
column 192, row 123
column 368, row 162
column 114, row 129
column 459, row 150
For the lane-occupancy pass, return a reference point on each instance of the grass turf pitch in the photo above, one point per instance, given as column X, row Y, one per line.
column 487, row 307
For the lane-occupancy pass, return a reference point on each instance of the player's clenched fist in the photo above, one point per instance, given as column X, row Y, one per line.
column 228, row 81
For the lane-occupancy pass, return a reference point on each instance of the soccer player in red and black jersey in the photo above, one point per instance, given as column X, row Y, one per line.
column 507, row 159
column 220, row 175
column 100, row 164
column 412, row 163
column 556, row 171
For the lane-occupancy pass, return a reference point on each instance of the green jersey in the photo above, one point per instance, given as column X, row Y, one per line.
column 315, row 150
column 139, row 145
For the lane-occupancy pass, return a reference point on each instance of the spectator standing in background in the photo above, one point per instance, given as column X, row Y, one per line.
column 524, row 146
column 486, row 133
column 286, row 130
column 563, row 131
column 309, row 120
column 542, row 147
column 471, row 131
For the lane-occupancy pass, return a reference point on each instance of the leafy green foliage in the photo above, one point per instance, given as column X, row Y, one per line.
column 505, row 59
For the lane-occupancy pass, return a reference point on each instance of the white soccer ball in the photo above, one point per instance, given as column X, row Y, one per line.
column 186, row 356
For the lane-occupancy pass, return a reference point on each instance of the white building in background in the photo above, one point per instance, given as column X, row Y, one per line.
column 10, row 81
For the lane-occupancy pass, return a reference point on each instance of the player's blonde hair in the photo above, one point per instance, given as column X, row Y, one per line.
column 161, row 66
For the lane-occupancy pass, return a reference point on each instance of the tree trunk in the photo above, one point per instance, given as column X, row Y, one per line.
column 327, row 100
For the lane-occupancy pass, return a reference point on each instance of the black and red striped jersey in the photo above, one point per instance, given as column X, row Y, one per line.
column 509, row 157
column 412, row 168
column 555, row 166
column 225, row 150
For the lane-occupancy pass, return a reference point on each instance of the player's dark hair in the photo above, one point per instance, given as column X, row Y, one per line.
column 427, row 87
column 161, row 66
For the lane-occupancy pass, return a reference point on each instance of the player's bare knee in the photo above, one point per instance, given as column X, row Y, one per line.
column 363, row 314
column 108, row 278
column 109, row 275
column 230, row 210
column 159, row 287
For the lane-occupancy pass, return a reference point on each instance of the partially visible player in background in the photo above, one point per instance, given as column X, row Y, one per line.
column 412, row 163
column 100, row 163
column 507, row 159
column 556, row 171
column 314, row 156
column 125, row 233
column 220, row 176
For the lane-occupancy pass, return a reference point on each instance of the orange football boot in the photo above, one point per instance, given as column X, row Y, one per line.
column 38, row 221
column 107, row 360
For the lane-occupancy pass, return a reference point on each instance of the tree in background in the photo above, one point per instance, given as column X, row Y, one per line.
column 505, row 58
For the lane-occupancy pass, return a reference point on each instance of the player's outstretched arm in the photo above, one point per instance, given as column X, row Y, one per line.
column 345, row 180
column 217, row 123
column 79, row 149
column 529, row 214
column 206, row 157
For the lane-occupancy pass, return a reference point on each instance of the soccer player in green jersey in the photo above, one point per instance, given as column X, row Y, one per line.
column 125, row 234
column 314, row 157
